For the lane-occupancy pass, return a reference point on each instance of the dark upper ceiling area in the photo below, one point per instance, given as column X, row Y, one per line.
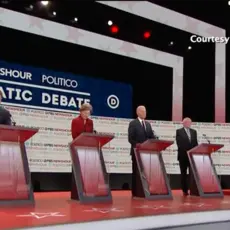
column 93, row 16
column 215, row 12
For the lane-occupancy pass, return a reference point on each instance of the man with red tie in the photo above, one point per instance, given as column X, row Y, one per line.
column 79, row 125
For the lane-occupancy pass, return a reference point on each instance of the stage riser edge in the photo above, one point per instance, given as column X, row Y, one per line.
column 62, row 181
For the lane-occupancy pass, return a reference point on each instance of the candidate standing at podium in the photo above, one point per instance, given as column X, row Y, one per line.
column 79, row 125
column 138, row 132
column 186, row 139
column 5, row 116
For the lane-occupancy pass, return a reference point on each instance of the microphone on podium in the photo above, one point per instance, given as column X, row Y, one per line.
column 155, row 135
column 12, row 120
column 204, row 135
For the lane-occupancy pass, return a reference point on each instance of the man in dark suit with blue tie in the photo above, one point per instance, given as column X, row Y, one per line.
column 5, row 116
column 186, row 139
column 138, row 132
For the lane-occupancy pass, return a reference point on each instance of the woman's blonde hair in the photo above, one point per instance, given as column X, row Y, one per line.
column 86, row 106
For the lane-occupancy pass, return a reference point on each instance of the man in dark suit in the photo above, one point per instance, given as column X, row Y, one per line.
column 186, row 139
column 138, row 132
column 5, row 116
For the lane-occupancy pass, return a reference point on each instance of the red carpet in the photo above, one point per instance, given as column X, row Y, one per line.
column 55, row 208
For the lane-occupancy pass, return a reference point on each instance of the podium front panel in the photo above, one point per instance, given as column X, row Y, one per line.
column 92, row 176
column 205, row 173
column 153, row 173
column 13, row 183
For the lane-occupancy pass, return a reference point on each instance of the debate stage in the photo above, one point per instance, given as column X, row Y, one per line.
column 56, row 208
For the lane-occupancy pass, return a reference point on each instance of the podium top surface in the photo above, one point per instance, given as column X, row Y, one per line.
column 205, row 148
column 155, row 145
column 92, row 140
column 16, row 133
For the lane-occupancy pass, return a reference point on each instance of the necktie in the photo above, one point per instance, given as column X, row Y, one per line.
column 189, row 134
column 143, row 125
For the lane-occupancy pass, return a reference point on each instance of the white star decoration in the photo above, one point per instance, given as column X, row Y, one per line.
column 199, row 205
column 155, row 207
column 191, row 24
column 225, row 202
column 104, row 210
column 40, row 215
column 73, row 34
column 105, row 48
column 36, row 22
column 127, row 48
column 129, row 4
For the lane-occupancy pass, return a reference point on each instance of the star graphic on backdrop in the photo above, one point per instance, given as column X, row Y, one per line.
column 127, row 48
column 40, row 215
column 104, row 210
column 35, row 22
column 214, row 31
column 107, row 49
column 2, row 10
column 129, row 4
column 154, row 54
column 191, row 24
column 199, row 205
column 155, row 207
column 73, row 34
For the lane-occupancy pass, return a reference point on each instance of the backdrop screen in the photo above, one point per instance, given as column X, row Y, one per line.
column 43, row 89
column 48, row 150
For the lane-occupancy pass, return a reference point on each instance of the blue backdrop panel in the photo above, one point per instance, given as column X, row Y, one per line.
column 45, row 89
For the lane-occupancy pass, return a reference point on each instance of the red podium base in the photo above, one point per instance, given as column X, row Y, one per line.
column 15, row 182
column 154, row 174
column 154, row 180
column 204, row 179
column 91, row 181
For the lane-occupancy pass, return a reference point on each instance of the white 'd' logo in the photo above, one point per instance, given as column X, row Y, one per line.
column 113, row 101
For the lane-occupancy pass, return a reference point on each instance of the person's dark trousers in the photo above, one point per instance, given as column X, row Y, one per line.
column 137, row 189
column 185, row 179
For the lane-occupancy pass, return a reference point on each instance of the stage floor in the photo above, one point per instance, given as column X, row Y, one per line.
column 57, row 208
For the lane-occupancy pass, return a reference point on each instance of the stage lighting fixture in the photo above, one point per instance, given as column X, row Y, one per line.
column 110, row 23
column 147, row 34
column 229, row 3
column 29, row 8
column 74, row 20
column 114, row 29
column 190, row 47
column 171, row 43
column 44, row 3
column 54, row 13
